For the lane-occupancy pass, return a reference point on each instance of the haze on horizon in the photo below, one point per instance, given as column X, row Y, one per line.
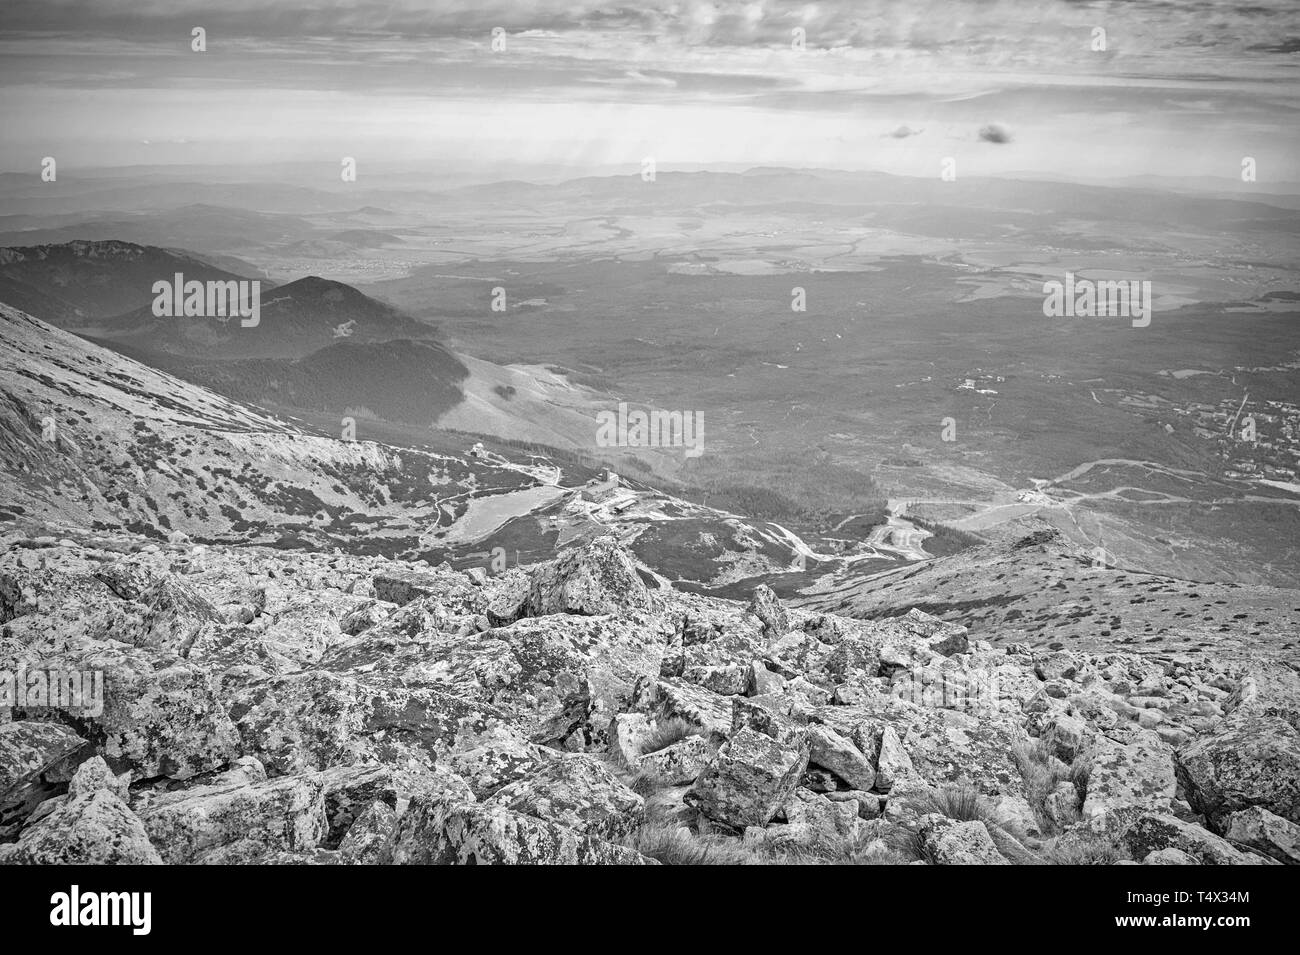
column 1011, row 86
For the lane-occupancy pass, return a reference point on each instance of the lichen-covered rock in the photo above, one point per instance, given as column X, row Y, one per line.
column 682, row 762
column 711, row 712
column 495, row 758
column 1253, row 759
column 815, row 823
column 401, row 585
column 943, row 746
column 167, row 720
column 1168, row 856
column 949, row 842
column 367, row 839
column 892, row 761
column 367, row 614
column 1260, row 829
column 598, row 578
column 577, row 791
column 170, row 612
column 834, row 752
column 628, row 734
column 748, row 781
column 1067, row 736
column 437, row 832
column 506, row 597
column 27, row 751
column 1144, row 832
column 279, row 814
column 1132, row 770
column 767, row 607
column 728, row 679
column 316, row 719
column 92, row 826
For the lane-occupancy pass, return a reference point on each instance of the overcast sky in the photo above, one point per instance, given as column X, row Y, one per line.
column 1184, row 88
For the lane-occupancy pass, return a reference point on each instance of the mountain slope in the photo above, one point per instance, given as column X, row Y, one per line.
column 90, row 437
column 295, row 319
column 73, row 284
column 1036, row 588
column 400, row 381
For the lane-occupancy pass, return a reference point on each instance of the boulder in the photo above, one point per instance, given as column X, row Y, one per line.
column 813, row 823
column 576, row 791
column 367, row 839
column 767, row 607
column 949, row 842
column 832, row 751
column 1253, row 759
column 92, row 826
column 1141, row 833
column 682, row 762
column 1132, row 770
column 28, row 750
column 1260, row 829
column 437, row 832
column 262, row 818
column 749, row 780
column 1168, row 857
column 892, row 762
column 598, row 578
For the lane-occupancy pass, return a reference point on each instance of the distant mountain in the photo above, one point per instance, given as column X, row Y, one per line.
column 412, row 382
column 296, row 319
column 76, row 283
column 205, row 228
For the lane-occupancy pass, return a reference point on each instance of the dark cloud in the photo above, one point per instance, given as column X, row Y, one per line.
column 995, row 133
column 902, row 132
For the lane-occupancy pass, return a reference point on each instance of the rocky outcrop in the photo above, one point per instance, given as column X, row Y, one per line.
column 278, row 709
column 1253, row 759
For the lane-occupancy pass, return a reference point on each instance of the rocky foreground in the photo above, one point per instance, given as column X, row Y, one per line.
column 277, row 707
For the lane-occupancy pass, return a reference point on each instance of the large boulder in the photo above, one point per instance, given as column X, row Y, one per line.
column 767, row 607
column 445, row 832
column 577, row 791
column 1253, row 759
column 598, row 578
column 256, row 819
column 92, row 825
column 749, row 780
column 28, row 751
column 949, row 842
column 832, row 751
column 814, row 823
column 1135, row 768
column 161, row 718
column 1142, row 833
column 681, row 762
column 1270, row 834
column 316, row 719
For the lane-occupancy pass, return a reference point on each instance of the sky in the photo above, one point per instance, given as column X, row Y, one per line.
column 1000, row 86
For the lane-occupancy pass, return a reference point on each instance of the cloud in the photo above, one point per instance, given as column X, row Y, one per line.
column 995, row 133
column 904, row 131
